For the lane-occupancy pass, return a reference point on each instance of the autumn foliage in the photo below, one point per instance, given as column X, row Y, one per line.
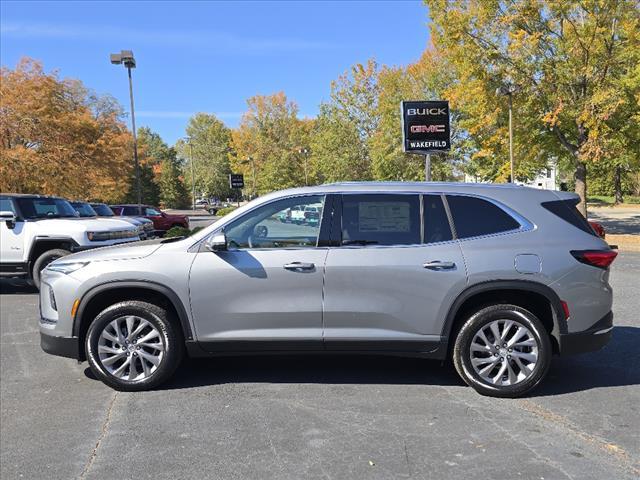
column 59, row 138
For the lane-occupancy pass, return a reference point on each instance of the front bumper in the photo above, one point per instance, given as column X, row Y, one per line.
column 61, row 346
column 590, row 340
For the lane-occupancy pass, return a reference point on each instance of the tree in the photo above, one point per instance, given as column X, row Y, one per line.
column 267, row 145
column 210, row 143
column 59, row 138
column 162, row 176
column 345, row 126
column 573, row 63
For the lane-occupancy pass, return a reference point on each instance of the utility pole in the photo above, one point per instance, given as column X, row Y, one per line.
column 427, row 167
column 305, row 152
column 508, row 90
column 126, row 57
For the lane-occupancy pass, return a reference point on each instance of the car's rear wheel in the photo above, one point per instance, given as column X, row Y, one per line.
column 43, row 260
column 502, row 351
column 134, row 345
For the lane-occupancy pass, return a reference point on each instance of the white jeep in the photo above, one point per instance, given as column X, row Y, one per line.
column 35, row 230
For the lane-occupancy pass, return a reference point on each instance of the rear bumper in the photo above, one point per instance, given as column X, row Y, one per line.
column 61, row 346
column 590, row 340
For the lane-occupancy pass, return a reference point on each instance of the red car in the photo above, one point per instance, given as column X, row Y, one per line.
column 599, row 229
column 161, row 221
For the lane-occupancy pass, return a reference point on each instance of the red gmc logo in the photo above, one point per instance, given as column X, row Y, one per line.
column 427, row 129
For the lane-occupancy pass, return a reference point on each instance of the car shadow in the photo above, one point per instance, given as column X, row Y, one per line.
column 612, row 366
column 616, row 365
column 16, row 286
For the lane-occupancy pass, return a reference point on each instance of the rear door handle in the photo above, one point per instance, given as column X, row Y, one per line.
column 439, row 265
column 299, row 266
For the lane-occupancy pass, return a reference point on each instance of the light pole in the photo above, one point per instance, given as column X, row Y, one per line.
column 305, row 152
column 193, row 177
column 126, row 57
column 508, row 90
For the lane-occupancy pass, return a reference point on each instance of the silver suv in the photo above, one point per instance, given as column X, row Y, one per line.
column 498, row 278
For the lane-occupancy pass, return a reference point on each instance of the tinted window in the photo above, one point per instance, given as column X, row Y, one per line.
column 380, row 219
column 436, row 223
column 566, row 210
column 102, row 210
column 130, row 211
column 6, row 205
column 84, row 209
column 45, row 208
column 280, row 224
column 473, row 217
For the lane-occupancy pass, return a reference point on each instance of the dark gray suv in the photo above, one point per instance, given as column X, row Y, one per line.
column 498, row 278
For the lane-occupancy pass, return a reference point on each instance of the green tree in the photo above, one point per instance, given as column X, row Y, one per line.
column 574, row 64
column 346, row 123
column 209, row 147
column 268, row 143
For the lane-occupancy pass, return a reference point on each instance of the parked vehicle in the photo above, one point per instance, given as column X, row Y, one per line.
column 312, row 214
column 86, row 211
column 296, row 214
column 161, row 221
column 497, row 277
column 35, row 230
column 599, row 229
column 103, row 211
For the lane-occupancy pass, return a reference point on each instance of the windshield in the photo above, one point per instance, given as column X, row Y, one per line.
column 84, row 209
column 45, row 208
column 102, row 210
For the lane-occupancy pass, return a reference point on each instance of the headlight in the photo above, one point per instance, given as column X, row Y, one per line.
column 66, row 267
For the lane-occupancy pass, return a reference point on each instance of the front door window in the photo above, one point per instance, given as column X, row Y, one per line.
column 288, row 223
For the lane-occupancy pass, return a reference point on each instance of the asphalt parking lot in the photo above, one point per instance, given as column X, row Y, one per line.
column 319, row 417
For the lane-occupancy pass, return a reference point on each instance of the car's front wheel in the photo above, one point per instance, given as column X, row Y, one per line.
column 502, row 351
column 134, row 345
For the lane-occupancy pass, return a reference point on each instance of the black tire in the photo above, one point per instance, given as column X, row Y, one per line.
column 170, row 336
column 43, row 260
column 482, row 318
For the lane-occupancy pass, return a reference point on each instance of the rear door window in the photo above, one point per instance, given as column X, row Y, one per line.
column 473, row 217
column 380, row 219
column 436, row 222
column 6, row 205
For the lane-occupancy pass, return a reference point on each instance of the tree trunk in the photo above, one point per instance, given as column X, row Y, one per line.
column 617, row 185
column 581, row 186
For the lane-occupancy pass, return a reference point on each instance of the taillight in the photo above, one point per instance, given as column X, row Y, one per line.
column 595, row 258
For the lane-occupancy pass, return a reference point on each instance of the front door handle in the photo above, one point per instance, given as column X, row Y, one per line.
column 299, row 266
column 439, row 265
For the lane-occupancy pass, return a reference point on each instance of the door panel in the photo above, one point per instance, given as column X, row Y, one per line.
column 385, row 293
column 265, row 291
column 246, row 296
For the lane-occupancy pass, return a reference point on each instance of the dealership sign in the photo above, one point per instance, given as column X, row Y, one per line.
column 425, row 126
column 236, row 180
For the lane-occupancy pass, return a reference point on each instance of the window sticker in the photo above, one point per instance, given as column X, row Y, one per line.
column 384, row 217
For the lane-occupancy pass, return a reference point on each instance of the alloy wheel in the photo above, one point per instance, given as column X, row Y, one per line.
column 130, row 348
column 504, row 352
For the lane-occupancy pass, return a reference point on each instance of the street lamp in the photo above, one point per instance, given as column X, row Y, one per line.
column 193, row 178
column 305, row 152
column 126, row 57
column 508, row 90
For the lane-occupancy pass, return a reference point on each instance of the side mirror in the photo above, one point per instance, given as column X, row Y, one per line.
column 9, row 218
column 217, row 243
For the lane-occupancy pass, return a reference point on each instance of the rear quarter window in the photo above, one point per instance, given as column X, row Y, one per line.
column 473, row 217
column 566, row 210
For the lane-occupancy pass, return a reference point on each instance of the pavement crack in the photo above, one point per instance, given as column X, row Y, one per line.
column 103, row 433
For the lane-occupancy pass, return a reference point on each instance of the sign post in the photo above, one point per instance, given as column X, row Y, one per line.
column 425, row 129
column 236, row 182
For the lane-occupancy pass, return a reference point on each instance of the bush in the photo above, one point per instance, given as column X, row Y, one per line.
column 177, row 232
column 181, row 232
column 224, row 211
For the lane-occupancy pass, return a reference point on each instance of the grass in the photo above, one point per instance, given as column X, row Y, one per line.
column 609, row 200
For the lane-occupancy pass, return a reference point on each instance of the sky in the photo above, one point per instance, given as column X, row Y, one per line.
column 211, row 56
